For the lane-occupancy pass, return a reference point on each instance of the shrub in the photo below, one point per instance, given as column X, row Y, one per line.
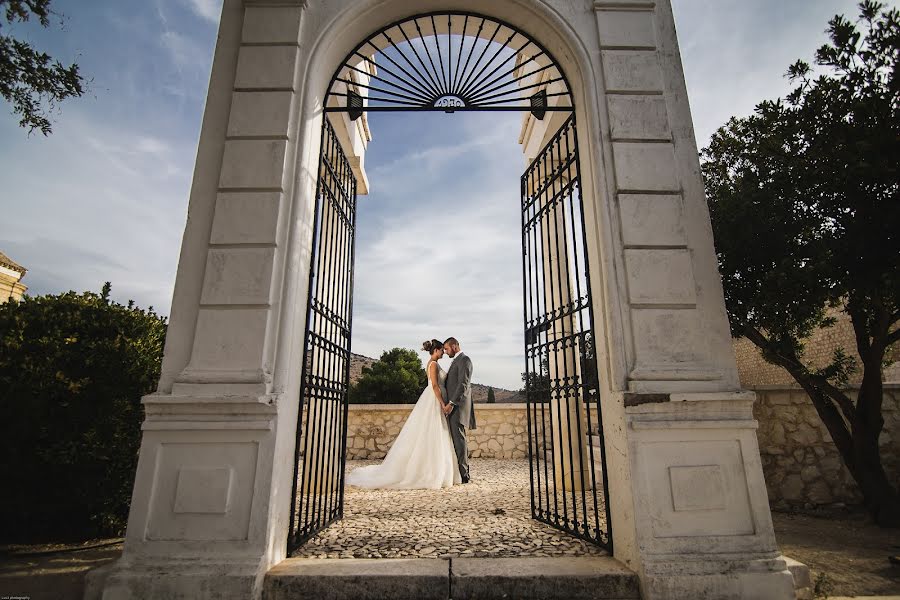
column 73, row 368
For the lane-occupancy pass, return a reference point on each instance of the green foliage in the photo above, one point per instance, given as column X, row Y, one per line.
column 395, row 378
column 73, row 368
column 30, row 79
column 804, row 194
column 804, row 197
column 491, row 398
column 823, row 586
column 537, row 385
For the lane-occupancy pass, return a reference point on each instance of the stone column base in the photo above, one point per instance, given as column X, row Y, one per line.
column 692, row 484
column 717, row 577
column 174, row 579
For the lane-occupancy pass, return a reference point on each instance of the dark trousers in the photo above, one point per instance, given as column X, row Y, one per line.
column 460, row 442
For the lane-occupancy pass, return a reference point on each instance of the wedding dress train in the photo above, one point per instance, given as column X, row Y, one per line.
column 422, row 456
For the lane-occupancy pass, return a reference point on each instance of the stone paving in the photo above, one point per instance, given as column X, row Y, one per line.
column 488, row 517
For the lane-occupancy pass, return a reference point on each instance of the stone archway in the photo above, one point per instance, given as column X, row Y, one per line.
column 210, row 506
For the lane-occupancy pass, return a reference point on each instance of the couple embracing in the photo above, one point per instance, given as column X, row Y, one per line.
column 431, row 450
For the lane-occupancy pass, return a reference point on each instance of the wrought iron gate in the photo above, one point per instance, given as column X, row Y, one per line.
column 565, row 437
column 459, row 61
column 318, row 494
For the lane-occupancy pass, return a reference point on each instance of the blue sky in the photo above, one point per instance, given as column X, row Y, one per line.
column 104, row 198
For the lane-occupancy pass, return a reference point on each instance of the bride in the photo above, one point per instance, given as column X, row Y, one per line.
column 422, row 456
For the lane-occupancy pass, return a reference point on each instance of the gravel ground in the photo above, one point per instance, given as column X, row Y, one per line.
column 489, row 516
column 845, row 552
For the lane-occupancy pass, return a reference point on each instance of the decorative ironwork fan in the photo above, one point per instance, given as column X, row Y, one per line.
column 449, row 62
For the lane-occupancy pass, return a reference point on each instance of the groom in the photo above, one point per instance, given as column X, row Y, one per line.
column 459, row 410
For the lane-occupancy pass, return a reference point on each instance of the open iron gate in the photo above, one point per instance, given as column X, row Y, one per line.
column 318, row 493
column 565, row 436
column 462, row 61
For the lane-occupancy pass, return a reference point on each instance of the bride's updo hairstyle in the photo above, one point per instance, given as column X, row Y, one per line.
column 431, row 345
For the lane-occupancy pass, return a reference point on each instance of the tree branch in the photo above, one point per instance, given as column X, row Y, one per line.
column 860, row 329
column 893, row 337
column 801, row 374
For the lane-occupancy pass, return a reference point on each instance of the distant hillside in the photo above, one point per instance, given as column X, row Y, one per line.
column 479, row 391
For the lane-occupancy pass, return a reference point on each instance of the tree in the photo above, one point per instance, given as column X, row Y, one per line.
column 73, row 368
column 805, row 206
column 491, row 398
column 395, row 378
column 30, row 79
column 536, row 386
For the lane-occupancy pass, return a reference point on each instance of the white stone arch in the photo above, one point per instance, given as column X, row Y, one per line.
column 347, row 28
column 689, row 507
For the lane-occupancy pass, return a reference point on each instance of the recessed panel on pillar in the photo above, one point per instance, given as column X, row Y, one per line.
column 626, row 29
column 266, row 67
column 260, row 114
column 238, row 276
column 696, row 488
column 246, row 218
column 638, row 117
column 272, row 24
column 632, row 71
column 660, row 276
column 645, row 167
column 652, row 220
column 668, row 338
column 253, row 164
column 229, row 339
column 203, row 491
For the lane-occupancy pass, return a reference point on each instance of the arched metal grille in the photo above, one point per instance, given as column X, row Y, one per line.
column 449, row 62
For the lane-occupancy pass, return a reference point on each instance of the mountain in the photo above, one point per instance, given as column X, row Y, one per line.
column 479, row 391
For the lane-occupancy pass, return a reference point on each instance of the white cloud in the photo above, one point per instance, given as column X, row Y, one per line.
column 206, row 9
column 112, row 210
column 735, row 53
column 439, row 252
column 184, row 51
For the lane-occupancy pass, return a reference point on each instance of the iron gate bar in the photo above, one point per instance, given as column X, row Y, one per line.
column 318, row 486
column 433, row 75
column 560, row 346
column 480, row 108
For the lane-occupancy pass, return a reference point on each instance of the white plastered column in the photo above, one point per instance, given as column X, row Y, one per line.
column 689, row 505
column 210, row 507
column 209, row 512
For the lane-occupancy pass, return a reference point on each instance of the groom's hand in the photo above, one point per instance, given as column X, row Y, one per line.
column 448, row 408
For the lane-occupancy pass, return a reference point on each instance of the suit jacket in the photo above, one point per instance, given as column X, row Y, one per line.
column 459, row 389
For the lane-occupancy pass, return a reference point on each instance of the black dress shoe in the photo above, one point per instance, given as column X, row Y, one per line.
column 465, row 480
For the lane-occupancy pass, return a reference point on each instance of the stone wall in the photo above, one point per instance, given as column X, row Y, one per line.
column 801, row 465
column 754, row 371
column 501, row 432
column 800, row 462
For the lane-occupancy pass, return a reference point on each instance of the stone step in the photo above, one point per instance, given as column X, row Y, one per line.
column 573, row 578
column 803, row 586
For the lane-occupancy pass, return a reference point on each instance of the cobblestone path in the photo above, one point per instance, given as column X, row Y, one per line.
column 490, row 516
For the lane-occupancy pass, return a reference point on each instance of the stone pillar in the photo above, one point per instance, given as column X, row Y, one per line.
column 689, row 506
column 212, row 491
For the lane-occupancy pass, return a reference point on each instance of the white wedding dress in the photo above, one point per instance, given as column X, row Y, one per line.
column 422, row 456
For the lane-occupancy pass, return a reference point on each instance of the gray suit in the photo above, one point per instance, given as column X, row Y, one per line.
column 459, row 394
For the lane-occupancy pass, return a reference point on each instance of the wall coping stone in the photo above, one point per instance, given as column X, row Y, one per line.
column 480, row 406
column 888, row 385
